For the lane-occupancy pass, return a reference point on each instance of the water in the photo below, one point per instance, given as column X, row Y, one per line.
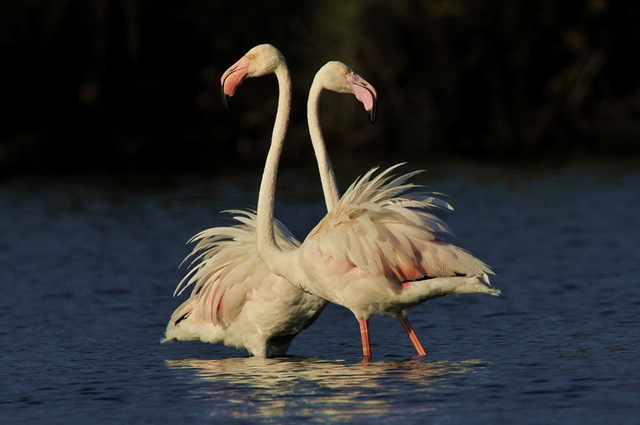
column 87, row 271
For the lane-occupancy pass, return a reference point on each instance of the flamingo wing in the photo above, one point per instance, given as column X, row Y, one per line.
column 225, row 270
column 385, row 226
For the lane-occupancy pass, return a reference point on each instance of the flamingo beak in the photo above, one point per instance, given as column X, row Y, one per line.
column 232, row 78
column 365, row 93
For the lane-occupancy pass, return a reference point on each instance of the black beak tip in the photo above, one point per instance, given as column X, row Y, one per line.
column 226, row 101
column 372, row 114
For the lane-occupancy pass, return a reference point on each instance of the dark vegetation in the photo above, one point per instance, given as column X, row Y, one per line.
column 134, row 85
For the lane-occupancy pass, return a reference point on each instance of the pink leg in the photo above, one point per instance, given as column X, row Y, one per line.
column 413, row 337
column 364, row 334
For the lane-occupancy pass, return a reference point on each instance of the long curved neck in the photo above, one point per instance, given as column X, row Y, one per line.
column 327, row 177
column 266, row 244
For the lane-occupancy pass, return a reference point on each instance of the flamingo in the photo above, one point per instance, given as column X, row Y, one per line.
column 236, row 299
column 379, row 250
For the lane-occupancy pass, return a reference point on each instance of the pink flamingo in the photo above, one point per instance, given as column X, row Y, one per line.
column 236, row 299
column 379, row 250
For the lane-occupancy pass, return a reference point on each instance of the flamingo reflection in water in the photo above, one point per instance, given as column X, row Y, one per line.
column 253, row 388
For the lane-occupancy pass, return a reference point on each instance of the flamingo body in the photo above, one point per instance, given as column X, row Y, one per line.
column 236, row 300
column 379, row 251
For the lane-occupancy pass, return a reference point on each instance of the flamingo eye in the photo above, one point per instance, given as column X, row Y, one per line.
column 251, row 56
column 345, row 72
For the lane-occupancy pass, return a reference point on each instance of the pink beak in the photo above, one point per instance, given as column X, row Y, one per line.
column 232, row 78
column 365, row 93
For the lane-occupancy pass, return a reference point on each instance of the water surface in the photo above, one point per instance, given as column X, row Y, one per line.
column 87, row 270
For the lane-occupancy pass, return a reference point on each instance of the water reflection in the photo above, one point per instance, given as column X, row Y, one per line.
column 313, row 388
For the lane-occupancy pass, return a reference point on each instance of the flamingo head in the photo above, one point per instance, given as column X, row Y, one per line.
column 260, row 60
column 338, row 77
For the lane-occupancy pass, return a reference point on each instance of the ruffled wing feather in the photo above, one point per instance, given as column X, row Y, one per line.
column 385, row 226
column 225, row 267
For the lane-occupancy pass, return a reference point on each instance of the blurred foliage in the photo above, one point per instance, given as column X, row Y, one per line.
column 134, row 84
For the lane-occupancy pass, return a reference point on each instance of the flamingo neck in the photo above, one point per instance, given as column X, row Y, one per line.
column 266, row 243
column 327, row 177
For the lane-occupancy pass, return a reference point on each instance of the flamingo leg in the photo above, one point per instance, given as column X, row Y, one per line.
column 413, row 337
column 364, row 334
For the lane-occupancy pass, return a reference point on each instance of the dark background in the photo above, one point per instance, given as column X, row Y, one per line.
column 133, row 85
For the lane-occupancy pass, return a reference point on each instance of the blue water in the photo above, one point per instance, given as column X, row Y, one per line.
column 87, row 269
